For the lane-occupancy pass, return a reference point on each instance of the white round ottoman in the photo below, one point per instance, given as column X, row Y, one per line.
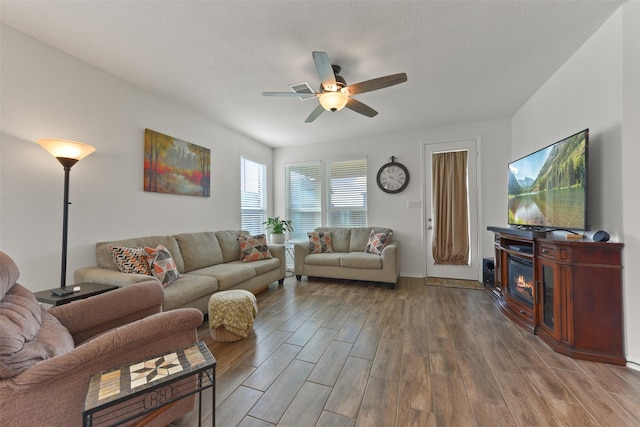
column 231, row 315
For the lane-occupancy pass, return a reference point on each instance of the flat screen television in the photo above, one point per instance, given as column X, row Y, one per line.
column 548, row 188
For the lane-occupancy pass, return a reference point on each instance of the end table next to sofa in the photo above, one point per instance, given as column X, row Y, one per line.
column 86, row 290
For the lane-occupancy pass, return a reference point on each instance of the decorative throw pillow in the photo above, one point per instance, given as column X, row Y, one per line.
column 253, row 248
column 377, row 242
column 130, row 260
column 162, row 265
column 320, row 242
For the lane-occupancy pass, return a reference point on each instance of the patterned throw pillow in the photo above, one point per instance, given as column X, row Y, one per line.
column 377, row 242
column 162, row 265
column 320, row 242
column 253, row 248
column 130, row 260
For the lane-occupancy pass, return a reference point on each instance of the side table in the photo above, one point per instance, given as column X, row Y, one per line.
column 86, row 290
column 120, row 395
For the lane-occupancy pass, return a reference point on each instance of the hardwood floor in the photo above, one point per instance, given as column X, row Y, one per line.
column 332, row 353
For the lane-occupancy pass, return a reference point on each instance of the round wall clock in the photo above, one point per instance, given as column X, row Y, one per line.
column 393, row 177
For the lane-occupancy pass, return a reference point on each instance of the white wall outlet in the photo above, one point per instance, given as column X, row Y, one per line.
column 413, row 203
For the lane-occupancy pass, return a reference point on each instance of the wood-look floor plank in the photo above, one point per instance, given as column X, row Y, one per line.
column 346, row 397
column 411, row 356
column 236, row 406
column 328, row 419
column 275, row 401
column 596, row 401
column 452, row 406
column 330, row 365
column 272, row 367
column 307, row 406
column 379, row 404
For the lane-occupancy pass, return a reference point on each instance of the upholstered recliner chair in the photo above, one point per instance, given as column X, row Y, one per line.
column 47, row 356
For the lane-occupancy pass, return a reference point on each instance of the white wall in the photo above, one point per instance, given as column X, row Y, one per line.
column 587, row 91
column 390, row 210
column 47, row 93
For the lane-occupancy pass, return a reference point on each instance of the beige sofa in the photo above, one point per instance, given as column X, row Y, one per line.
column 207, row 261
column 348, row 259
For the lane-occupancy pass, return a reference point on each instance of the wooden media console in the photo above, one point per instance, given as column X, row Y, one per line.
column 567, row 291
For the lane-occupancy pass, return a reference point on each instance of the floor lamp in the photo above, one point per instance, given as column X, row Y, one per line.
column 68, row 154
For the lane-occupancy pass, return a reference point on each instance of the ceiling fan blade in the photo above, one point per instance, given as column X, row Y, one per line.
column 315, row 113
column 325, row 71
column 295, row 94
column 361, row 108
column 375, row 84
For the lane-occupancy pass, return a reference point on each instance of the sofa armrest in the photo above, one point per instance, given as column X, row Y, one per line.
column 109, row 277
column 89, row 317
column 278, row 251
column 300, row 251
column 129, row 343
column 391, row 261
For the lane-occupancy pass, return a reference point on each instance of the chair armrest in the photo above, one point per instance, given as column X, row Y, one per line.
column 155, row 334
column 89, row 317
column 109, row 277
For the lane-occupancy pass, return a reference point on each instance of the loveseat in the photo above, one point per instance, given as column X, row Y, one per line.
column 48, row 356
column 352, row 253
column 206, row 262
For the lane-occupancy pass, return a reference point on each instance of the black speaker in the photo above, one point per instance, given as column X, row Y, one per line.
column 488, row 270
column 601, row 236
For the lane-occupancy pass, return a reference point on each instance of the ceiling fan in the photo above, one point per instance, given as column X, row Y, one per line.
column 334, row 93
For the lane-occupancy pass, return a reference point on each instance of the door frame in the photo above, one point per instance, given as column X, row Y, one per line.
column 476, row 257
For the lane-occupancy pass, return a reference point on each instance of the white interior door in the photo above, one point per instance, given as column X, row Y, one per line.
column 472, row 270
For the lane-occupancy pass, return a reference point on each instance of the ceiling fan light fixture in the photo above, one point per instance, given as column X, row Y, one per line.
column 333, row 101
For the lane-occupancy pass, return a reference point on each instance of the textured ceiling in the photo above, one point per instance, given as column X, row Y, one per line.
column 465, row 60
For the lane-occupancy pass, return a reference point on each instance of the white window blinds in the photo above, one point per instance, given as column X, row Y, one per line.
column 303, row 198
column 253, row 198
column 347, row 193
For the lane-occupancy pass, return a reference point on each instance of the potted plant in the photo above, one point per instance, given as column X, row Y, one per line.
column 277, row 228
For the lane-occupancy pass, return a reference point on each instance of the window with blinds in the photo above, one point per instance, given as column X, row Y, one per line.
column 303, row 198
column 347, row 193
column 253, row 197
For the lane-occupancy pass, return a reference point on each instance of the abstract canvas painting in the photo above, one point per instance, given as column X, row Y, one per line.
column 175, row 166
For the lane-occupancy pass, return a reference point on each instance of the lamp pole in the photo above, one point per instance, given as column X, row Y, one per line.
column 67, row 163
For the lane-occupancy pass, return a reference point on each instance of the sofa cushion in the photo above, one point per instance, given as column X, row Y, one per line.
column 328, row 259
column 189, row 287
column 130, row 260
column 360, row 237
column 228, row 240
column 340, row 237
column 162, row 265
column 266, row 265
column 361, row 260
column 377, row 242
column 199, row 250
column 228, row 274
column 253, row 248
column 320, row 242
column 105, row 260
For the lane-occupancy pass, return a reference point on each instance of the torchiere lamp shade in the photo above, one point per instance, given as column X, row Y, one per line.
column 65, row 149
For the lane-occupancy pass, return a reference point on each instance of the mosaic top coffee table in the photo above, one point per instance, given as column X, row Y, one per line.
column 129, row 392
